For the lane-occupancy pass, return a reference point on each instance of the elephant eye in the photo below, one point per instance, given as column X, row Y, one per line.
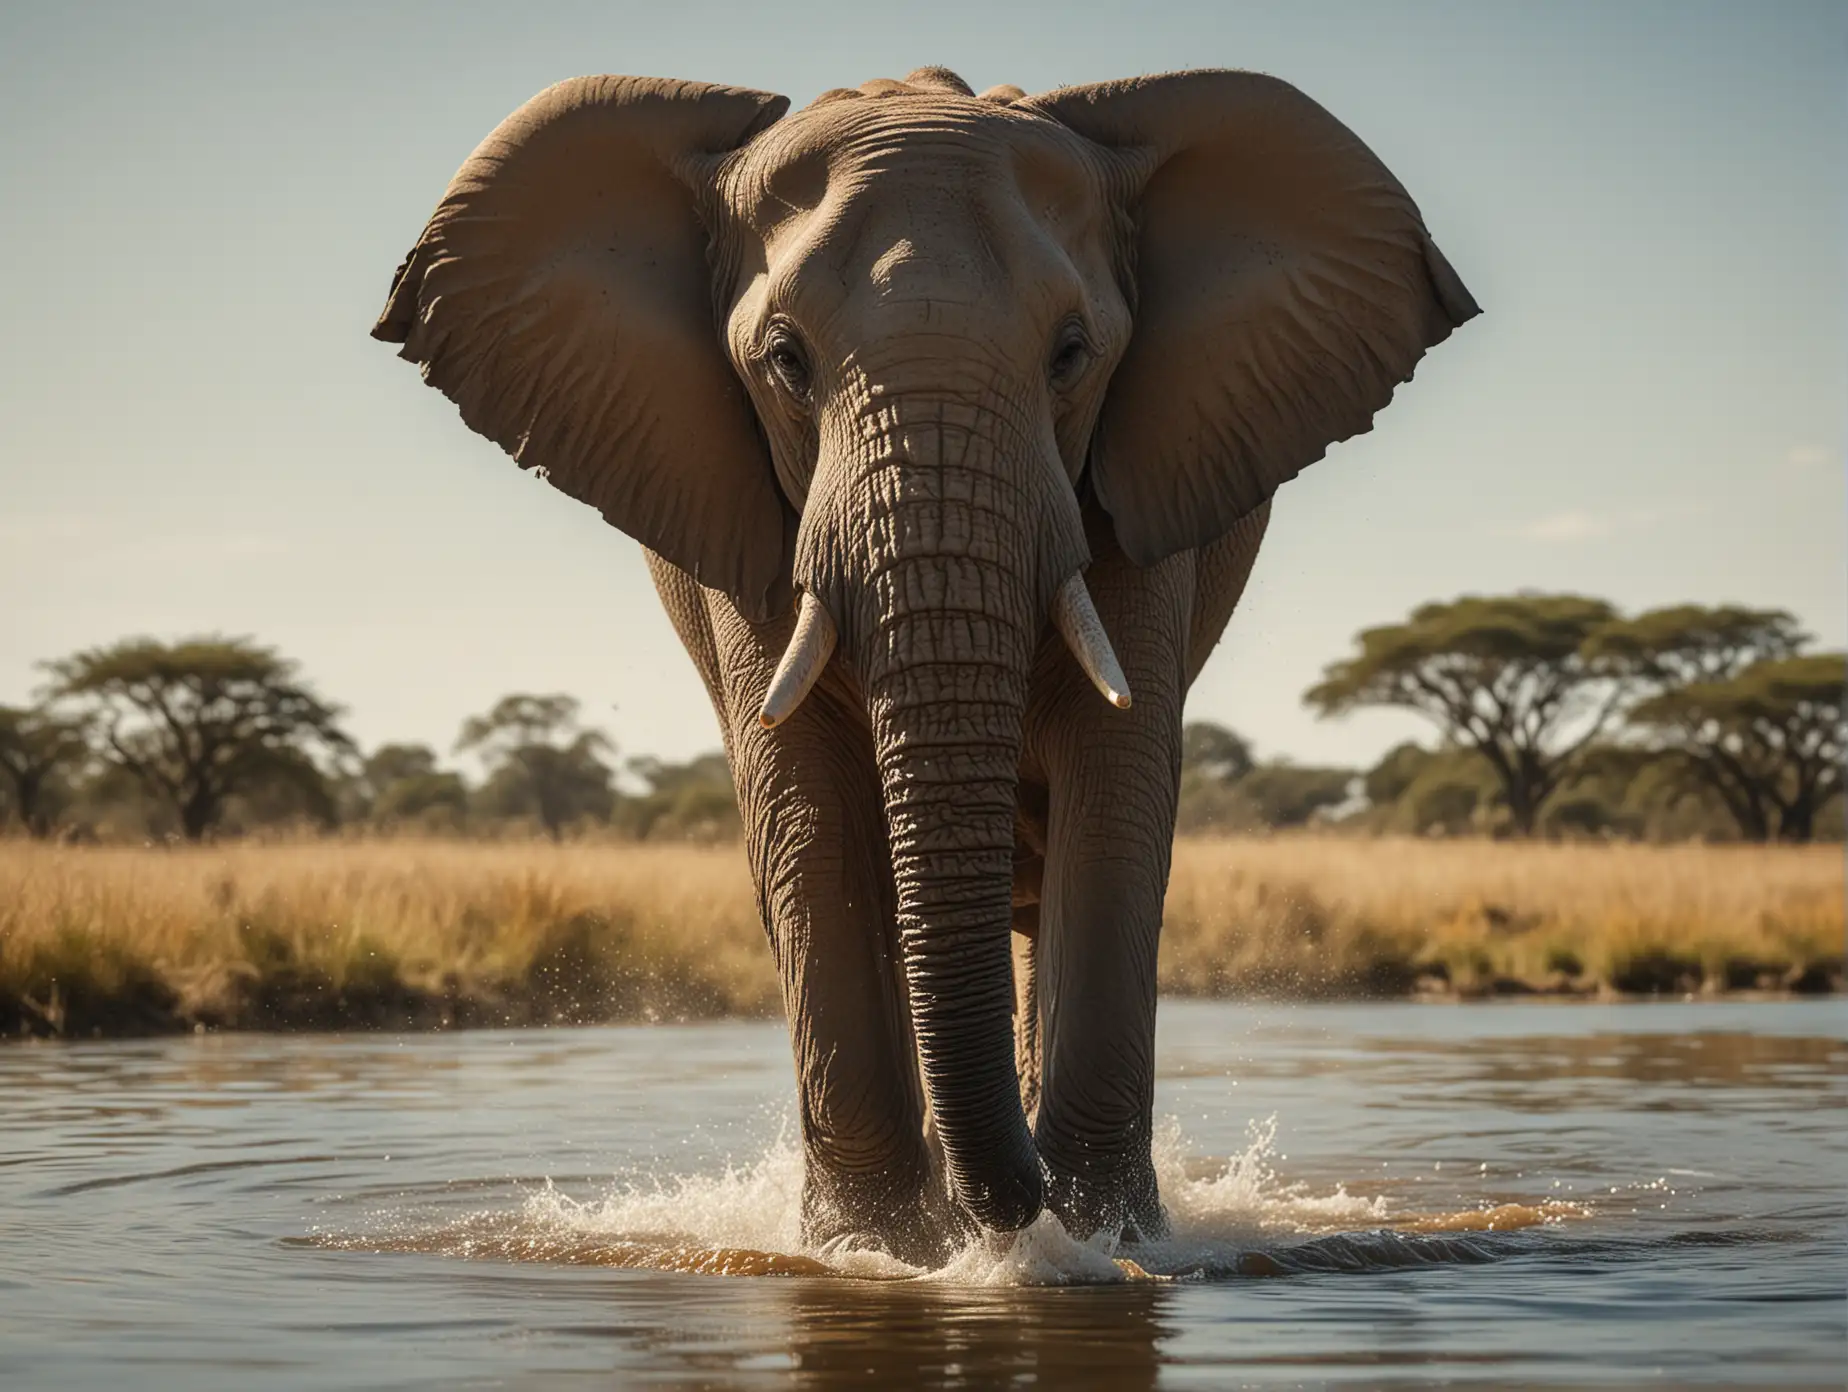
column 789, row 362
column 1070, row 358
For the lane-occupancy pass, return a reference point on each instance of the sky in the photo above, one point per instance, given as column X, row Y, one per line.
column 201, row 207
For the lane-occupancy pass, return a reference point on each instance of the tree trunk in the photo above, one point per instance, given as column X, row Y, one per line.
column 197, row 814
column 1797, row 822
column 29, row 793
column 1523, row 811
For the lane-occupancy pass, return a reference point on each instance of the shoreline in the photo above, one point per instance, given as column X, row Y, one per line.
column 439, row 1020
column 123, row 942
column 408, row 1011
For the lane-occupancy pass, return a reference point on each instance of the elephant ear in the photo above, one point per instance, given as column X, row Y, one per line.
column 1284, row 285
column 561, row 296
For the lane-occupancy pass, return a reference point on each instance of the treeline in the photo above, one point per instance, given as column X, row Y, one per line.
column 213, row 737
column 1558, row 715
column 1554, row 715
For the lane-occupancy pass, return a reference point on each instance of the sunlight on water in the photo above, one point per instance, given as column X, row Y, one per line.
column 369, row 1210
column 1238, row 1219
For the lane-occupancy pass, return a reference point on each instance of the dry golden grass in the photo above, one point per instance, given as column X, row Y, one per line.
column 427, row 933
column 376, row 933
column 1332, row 916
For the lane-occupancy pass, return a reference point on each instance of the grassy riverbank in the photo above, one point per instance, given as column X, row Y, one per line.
column 434, row 934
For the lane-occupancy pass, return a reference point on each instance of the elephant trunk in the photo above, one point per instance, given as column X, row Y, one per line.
column 949, row 769
column 938, row 543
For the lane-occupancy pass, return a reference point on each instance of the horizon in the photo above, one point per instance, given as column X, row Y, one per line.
column 201, row 438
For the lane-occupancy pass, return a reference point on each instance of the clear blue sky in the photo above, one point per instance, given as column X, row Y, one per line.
column 202, row 206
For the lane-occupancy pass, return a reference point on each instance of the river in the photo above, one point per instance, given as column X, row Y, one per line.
column 1378, row 1195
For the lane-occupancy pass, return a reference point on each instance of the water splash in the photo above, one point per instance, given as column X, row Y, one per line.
column 1238, row 1219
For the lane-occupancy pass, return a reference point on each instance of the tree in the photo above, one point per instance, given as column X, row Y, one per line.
column 542, row 761
column 1224, row 788
column 1633, row 788
column 1515, row 678
column 111, row 803
column 1685, row 643
column 1670, row 652
column 1386, row 782
column 1599, row 799
column 1287, row 795
column 39, row 752
column 289, row 788
column 1213, row 760
column 1215, row 752
column 396, row 763
column 400, row 783
column 1430, row 790
column 1455, row 793
column 1768, row 741
column 201, row 720
column 690, row 801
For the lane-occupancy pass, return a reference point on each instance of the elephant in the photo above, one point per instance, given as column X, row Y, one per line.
column 950, row 425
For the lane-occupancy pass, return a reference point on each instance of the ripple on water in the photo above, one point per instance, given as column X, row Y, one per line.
column 1237, row 1219
column 145, row 1187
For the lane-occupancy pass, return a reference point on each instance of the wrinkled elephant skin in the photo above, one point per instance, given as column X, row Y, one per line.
column 940, row 415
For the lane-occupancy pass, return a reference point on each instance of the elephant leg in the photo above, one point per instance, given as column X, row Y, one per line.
column 815, row 835
column 1113, row 777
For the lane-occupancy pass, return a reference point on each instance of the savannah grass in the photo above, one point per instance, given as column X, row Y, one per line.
column 411, row 933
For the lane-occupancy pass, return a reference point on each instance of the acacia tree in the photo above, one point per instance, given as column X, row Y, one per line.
column 542, row 760
column 1768, row 741
column 1665, row 651
column 1686, row 643
column 202, row 720
column 1516, row 678
column 37, row 748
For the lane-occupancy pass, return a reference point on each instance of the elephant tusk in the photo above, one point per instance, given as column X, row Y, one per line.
column 810, row 646
column 1075, row 617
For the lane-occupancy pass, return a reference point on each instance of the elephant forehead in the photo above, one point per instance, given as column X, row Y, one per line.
column 922, row 201
column 867, row 150
column 889, row 263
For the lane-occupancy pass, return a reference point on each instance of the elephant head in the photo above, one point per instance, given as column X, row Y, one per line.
column 878, row 354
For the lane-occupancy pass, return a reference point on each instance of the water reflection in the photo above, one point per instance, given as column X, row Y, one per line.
column 1513, row 1194
column 916, row 1335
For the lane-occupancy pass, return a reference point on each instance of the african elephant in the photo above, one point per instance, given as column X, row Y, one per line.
column 935, row 411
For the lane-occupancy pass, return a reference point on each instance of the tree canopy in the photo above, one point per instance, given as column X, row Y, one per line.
column 1684, row 643
column 1225, row 788
column 1286, row 794
column 1516, row 678
column 1215, row 752
column 1556, row 715
column 38, row 750
column 691, row 801
column 542, row 761
column 1717, row 710
column 203, row 719
column 400, row 785
column 1768, row 741
column 1446, row 790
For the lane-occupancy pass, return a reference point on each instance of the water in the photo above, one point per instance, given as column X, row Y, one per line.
column 1372, row 1194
